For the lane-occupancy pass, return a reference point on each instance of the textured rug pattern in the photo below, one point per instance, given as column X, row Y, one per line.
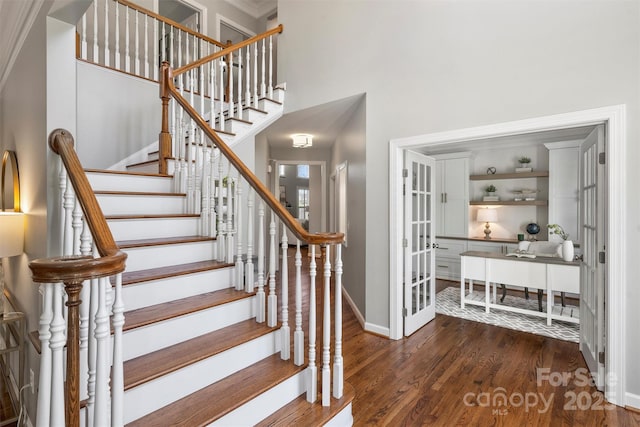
column 448, row 302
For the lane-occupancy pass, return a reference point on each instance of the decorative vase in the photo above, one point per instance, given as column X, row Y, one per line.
column 567, row 250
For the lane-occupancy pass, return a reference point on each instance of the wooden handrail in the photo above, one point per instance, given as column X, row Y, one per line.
column 74, row 270
column 167, row 88
column 227, row 50
column 170, row 22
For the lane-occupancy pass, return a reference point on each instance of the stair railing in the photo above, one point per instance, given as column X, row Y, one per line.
column 215, row 179
column 123, row 36
column 89, row 255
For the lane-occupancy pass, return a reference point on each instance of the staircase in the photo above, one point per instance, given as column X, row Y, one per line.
column 202, row 332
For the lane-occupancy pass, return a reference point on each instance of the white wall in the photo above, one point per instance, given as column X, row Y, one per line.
column 450, row 65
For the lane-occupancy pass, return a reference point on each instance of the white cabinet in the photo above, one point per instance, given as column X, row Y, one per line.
column 448, row 258
column 495, row 247
column 452, row 196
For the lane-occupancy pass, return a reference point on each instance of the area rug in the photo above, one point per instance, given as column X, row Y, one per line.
column 448, row 302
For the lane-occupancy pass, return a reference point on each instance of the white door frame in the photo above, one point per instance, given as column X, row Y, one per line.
column 614, row 117
column 195, row 6
column 223, row 19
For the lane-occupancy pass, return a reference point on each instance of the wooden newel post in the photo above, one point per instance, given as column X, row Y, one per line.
column 165, row 137
column 72, row 384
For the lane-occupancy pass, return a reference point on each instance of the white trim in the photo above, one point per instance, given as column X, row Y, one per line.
column 203, row 14
column 563, row 144
column 253, row 9
column 353, row 306
column 615, row 119
column 376, row 329
column 221, row 18
column 633, row 401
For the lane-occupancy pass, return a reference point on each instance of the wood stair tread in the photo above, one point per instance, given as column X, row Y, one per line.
column 146, row 162
column 161, row 362
column 128, row 173
column 218, row 399
column 139, row 193
column 301, row 413
column 151, row 216
column 124, row 244
column 131, row 277
column 180, row 307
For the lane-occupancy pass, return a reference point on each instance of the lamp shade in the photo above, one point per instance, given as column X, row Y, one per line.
column 11, row 234
column 487, row 215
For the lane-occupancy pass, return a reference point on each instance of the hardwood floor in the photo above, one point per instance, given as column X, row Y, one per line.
column 458, row 372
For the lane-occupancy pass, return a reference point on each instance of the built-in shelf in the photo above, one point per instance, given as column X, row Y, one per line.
column 509, row 203
column 519, row 175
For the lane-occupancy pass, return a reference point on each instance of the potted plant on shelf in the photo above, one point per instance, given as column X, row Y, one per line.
column 567, row 245
column 490, row 196
column 524, row 164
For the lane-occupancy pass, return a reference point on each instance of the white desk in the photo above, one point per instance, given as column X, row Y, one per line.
column 552, row 275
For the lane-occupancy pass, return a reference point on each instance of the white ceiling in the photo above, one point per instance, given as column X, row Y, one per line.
column 324, row 122
column 255, row 8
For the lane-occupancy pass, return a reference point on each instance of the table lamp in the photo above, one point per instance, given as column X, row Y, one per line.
column 487, row 216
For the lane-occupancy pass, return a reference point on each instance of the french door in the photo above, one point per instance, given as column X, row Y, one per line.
column 419, row 230
column 592, row 270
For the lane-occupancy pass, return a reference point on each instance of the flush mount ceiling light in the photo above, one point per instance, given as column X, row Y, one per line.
column 302, row 140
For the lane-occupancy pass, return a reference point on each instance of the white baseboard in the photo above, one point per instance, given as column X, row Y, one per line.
column 632, row 401
column 377, row 329
column 353, row 306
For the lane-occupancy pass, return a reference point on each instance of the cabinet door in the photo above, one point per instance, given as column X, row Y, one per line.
column 453, row 196
column 439, row 197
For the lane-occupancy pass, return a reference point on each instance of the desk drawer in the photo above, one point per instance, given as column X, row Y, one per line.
column 450, row 248
column 447, row 269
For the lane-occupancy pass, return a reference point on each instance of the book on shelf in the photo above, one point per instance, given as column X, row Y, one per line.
column 522, row 254
column 490, row 198
column 520, row 170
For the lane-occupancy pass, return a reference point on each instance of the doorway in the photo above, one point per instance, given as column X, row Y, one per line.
column 614, row 118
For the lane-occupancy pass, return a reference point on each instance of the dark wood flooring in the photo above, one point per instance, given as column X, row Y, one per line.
column 455, row 372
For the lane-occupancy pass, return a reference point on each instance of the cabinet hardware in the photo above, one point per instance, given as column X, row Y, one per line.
column 443, row 248
column 443, row 266
column 445, row 197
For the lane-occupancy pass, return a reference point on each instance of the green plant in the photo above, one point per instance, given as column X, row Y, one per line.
column 557, row 229
column 524, row 160
column 490, row 188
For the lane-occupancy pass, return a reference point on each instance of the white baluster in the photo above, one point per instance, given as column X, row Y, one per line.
column 76, row 224
column 248, row 268
column 68, row 205
column 206, row 197
column 272, row 309
column 285, row 352
column 137, row 45
column 117, row 375
column 270, row 67
column 212, row 201
column 222, row 211
column 155, row 53
column 247, row 94
column 298, row 334
column 101, row 413
column 221, row 95
column 256, row 98
column 127, row 56
column 230, row 102
column 230, row 213
column 116, row 58
column 212, row 93
column 238, row 238
column 326, row 330
column 85, row 296
column 239, row 108
column 56, row 344
column 91, row 353
column 146, row 46
column 263, row 85
column 83, row 44
column 312, row 369
column 96, row 56
column 260, row 315
column 338, row 365
column 44, row 333
column 62, row 187
column 107, row 54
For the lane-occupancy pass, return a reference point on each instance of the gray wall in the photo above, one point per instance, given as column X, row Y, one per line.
column 447, row 65
column 350, row 147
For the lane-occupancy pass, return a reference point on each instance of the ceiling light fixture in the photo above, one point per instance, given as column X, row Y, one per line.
column 302, row 140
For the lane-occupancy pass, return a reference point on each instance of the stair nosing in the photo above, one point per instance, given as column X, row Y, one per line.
column 139, row 193
column 149, row 216
column 139, row 243
column 257, row 330
column 148, row 174
column 165, row 272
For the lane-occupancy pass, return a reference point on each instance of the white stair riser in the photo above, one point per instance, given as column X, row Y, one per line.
column 153, row 156
column 156, row 336
column 235, row 126
column 123, row 182
column 144, row 167
column 342, row 418
column 155, row 394
column 154, row 292
column 146, row 257
column 265, row 404
column 268, row 105
column 253, row 116
column 116, row 204
column 147, row 228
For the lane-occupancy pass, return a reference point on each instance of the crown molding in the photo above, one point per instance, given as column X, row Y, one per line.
column 255, row 8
